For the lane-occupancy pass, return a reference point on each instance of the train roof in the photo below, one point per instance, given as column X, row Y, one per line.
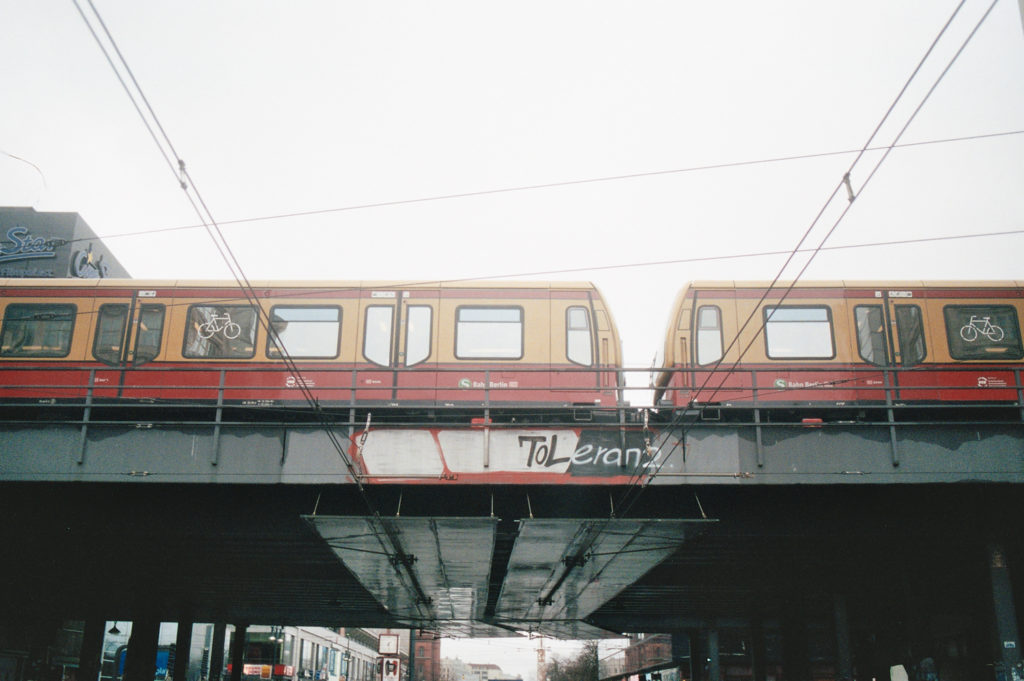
column 296, row 283
column 858, row 284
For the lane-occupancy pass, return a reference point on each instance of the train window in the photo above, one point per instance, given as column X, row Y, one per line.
column 378, row 333
column 709, row 334
column 983, row 332
column 304, row 332
column 150, row 333
column 871, row 334
column 489, row 333
column 579, row 343
column 110, row 327
column 910, row 332
column 220, row 332
column 798, row 332
column 418, row 324
column 37, row 330
column 111, row 324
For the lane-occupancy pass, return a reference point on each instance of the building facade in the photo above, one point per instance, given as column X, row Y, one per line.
column 52, row 245
column 426, row 656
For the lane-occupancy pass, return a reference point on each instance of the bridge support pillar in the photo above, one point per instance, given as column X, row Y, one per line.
column 795, row 661
column 41, row 635
column 91, row 653
column 682, row 646
column 759, row 650
column 1007, row 634
column 714, row 667
column 141, row 661
column 844, row 658
column 182, row 646
column 237, row 651
column 698, row 653
column 217, row 651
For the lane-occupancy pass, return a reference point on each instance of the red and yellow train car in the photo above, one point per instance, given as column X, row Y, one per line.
column 353, row 343
column 744, row 344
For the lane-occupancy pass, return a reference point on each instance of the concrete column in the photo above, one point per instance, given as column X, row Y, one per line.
column 217, row 651
column 698, row 653
column 844, row 658
column 681, row 646
column 141, row 662
column 759, row 651
column 795, row 665
column 41, row 635
column 91, row 653
column 714, row 668
column 237, row 651
column 1007, row 636
column 182, row 648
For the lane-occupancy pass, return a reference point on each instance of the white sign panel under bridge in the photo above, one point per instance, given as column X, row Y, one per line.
column 391, row 669
column 593, row 455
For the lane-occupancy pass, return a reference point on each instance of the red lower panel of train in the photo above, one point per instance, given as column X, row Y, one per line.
column 773, row 385
column 334, row 385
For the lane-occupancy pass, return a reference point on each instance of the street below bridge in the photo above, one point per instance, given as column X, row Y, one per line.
column 820, row 581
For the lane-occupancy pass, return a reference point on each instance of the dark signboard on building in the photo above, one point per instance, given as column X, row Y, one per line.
column 48, row 245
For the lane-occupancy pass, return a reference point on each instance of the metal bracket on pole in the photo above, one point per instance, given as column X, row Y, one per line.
column 849, row 188
column 757, row 422
column 220, row 412
column 86, row 413
column 892, row 420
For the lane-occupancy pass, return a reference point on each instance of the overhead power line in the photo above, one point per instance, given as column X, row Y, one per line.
column 384, row 534
column 635, row 488
column 554, row 185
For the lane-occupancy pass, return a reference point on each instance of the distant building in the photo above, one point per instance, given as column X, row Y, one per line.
column 455, row 670
column 426, row 655
column 52, row 245
column 486, row 672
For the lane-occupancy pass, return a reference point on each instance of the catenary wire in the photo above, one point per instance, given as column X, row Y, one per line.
column 244, row 283
column 208, row 222
column 682, row 427
column 383, row 532
column 850, row 203
column 636, row 488
column 203, row 212
column 550, row 185
column 839, row 186
column 596, row 268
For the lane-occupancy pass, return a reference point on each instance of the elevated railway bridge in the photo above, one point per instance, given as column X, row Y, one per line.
column 829, row 545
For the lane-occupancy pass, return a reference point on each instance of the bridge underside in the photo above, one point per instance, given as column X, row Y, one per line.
column 572, row 530
column 285, row 554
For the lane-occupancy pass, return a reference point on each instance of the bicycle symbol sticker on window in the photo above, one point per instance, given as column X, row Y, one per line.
column 224, row 325
column 981, row 326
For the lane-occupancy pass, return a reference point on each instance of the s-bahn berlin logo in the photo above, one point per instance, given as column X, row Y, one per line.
column 21, row 245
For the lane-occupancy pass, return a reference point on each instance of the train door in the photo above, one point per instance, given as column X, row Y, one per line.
column 397, row 342
column 128, row 334
column 892, row 333
column 581, row 344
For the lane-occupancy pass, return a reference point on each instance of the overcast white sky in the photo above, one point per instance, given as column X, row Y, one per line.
column 519, row 656
column 290, row 107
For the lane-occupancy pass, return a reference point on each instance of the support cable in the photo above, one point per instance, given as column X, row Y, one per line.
column 634, row 488
column 550, row 185
column 187, row 184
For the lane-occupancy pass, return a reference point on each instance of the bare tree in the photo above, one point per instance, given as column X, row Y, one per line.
column 583, row 667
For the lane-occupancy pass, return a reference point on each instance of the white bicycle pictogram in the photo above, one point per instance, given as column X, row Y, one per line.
column 981, row 326
column 221, row 323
